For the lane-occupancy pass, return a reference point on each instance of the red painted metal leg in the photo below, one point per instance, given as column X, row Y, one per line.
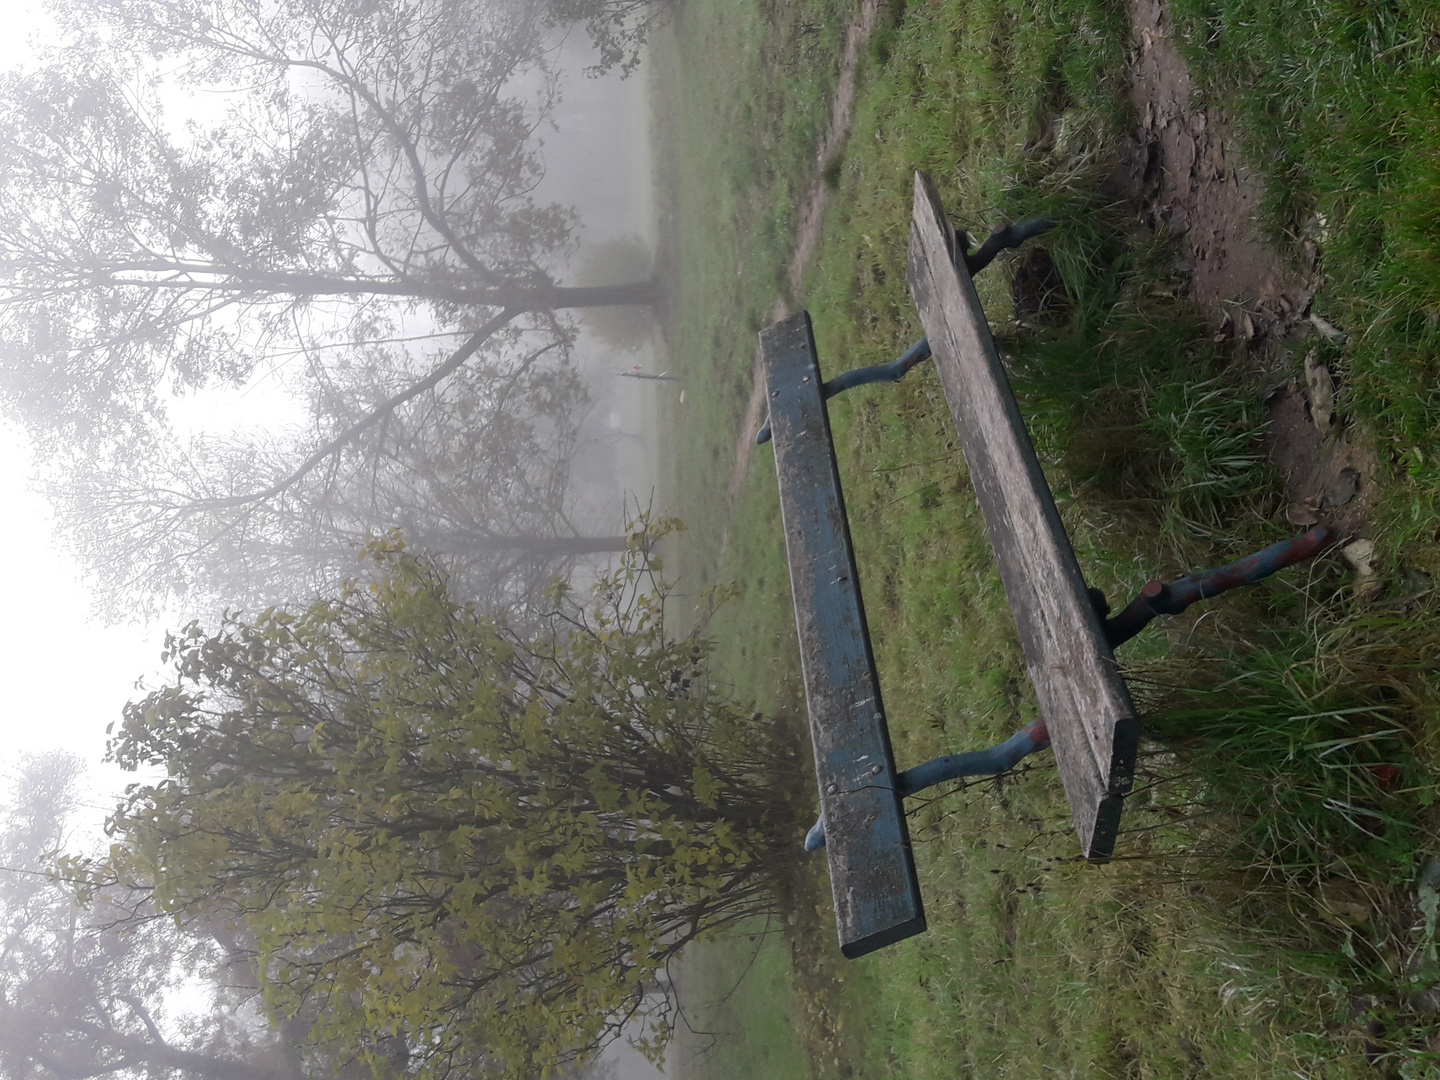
column 1171, row 598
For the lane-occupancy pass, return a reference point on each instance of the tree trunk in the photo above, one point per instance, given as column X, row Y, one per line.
column 209, row 1066
column 137, row 1052
column 546, row 545
column 629, row 293
column 517, row 298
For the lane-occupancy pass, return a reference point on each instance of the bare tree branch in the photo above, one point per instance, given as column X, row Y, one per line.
column 370, row 419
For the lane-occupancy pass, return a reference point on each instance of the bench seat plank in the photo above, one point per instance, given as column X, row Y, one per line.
column 1082, row 698
column 872, row 871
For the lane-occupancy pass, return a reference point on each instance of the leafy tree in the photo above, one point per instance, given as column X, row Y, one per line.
column 83, row 990
column 485, row 843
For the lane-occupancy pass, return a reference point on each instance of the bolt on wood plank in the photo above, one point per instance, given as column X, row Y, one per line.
column 872, row 870
column 1083, row 700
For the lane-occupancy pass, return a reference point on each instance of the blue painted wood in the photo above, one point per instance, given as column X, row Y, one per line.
column 872, row 871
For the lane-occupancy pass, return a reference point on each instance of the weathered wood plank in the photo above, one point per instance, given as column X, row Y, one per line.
column 872, row 872
column 1082, row 698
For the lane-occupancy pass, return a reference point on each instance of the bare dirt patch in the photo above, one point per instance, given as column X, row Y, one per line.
column 812, row 218
column 1326, row 474
column 1183, row 171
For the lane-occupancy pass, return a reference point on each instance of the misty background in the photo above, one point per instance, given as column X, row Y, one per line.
column 596, row 149
column 75, row 651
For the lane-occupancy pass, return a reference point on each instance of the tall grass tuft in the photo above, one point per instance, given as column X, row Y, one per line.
column 1299, row 759
column 1136, row 405
column 1293, row 781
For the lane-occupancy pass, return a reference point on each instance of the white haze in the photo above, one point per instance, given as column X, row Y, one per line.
column 67, row 675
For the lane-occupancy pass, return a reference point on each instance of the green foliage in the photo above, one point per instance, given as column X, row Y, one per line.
column 486, row 843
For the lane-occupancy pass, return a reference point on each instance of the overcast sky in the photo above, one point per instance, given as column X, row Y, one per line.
column 65, row 675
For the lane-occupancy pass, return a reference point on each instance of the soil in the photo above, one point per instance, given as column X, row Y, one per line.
column 812, row 217
column 1183, row 172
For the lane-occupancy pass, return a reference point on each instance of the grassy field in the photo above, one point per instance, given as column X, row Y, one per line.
column 1267, row 914
column 741, row 1010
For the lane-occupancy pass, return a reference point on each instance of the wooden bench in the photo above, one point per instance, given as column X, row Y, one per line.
column 1085, row 708
column 1082, row 697
column 872, row 872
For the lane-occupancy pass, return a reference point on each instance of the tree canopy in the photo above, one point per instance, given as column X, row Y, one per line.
column 485, row 843
column 202, row 194
column 354, row 156
column 84, row 989
column 478, row 468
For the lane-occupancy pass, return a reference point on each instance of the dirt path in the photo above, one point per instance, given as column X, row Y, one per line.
column 1182, row 169
column 1183, row 172
column 812, row 217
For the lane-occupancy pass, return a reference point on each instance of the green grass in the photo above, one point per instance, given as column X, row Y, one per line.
column 1344, row 97
column 1264, row 905
column 740, row 1011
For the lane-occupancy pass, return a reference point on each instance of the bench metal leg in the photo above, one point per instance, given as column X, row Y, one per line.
column 894, row 371
column 1173, row 597
column 1012, row 236
column 1157, row 598
column 997, row 759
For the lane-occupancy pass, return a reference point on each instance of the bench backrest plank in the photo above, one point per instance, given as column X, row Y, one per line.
column 1082, row 698
column 872, row 872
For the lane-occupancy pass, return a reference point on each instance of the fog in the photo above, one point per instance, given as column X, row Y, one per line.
column 598, row 160
column 69, row 675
